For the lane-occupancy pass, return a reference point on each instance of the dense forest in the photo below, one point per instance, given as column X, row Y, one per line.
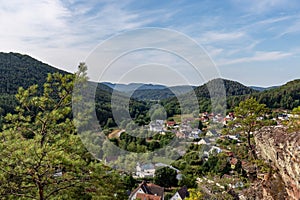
column 19, row 70
column 283, row 97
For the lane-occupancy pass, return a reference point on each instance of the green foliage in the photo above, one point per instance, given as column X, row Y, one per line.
column 139, row 144
column 232, row 88
column 284, row 97
column 17, row 70
column 294, row 122
column 165, row 177
column 249, row 117
column 194, row 194
column 41, row 155
column 188, row 180
column 129, row 182
column 216, row 164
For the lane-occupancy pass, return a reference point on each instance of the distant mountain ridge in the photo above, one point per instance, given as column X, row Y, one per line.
column 134, row 86
column 257, row 88
column 232, row 88
column 148, row 91
column 17, row 70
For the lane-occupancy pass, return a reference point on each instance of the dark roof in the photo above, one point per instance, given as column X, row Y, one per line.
column 183, row 192
column 206, row 140
column 214, row 132
column 150, row 188
column 155, row 189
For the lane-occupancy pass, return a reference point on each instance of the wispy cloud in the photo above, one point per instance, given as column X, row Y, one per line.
column 257, row 57
column 294, row 28
column 259, row 7
column 212, row 36
column 63, row 32
column 53, row 25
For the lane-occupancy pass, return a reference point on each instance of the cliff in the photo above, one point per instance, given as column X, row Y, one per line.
column 281, row 149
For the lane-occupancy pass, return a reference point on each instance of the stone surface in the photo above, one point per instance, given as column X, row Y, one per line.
column 282, row 150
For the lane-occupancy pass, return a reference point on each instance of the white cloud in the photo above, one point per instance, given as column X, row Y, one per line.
column 39, row 27
column 292, row 29
column 257, row 57
column 212, row 37
column 32, row 18
column 262, row 7
column 213, row 51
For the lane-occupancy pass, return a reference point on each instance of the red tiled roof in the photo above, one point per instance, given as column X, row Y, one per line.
column 171, row 123
column 143, row 196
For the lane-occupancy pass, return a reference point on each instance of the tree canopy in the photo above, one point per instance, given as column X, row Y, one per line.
column 249, row 118
column 165, row 177
column 42, row 157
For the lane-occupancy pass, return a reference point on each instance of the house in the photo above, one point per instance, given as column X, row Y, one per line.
column 143, row 196
column 193, row 135
column 212, row 133
column 185, row 128
column 147, row 191
column 204, row 141
column 181, row 194
column 197, row 131
column 171, row 123
column 145, row 171
column 157, row 126
column 215, row 149
column 234, row 137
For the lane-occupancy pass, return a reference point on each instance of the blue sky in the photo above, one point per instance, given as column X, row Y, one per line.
column 252, row 41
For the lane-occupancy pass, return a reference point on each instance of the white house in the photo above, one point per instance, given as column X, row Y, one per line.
column 212, row 133
column 204, row 141
column 181, row 194
column 215, row 149
column 157, row 126
column 145, row 171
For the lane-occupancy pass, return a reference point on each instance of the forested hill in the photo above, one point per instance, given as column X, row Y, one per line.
column 17, row 70
column 286, row 96
column 232, row 88
column 22, row 70
column 148, row 91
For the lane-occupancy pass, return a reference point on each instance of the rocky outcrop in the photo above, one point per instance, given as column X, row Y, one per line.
column 281, row 149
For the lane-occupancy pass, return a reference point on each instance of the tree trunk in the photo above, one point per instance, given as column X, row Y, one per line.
column 41, row 191
column 250, row 146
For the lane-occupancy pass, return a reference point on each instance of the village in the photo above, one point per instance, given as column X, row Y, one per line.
column 209, row 135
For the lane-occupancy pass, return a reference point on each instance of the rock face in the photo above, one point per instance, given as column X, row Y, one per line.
column 282, row 149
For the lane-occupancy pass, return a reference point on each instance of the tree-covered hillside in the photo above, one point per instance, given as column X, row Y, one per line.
column 232, row 88
column 286, row 96
column 18, row 70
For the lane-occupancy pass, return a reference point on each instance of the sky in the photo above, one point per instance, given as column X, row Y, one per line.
column 254, row 42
